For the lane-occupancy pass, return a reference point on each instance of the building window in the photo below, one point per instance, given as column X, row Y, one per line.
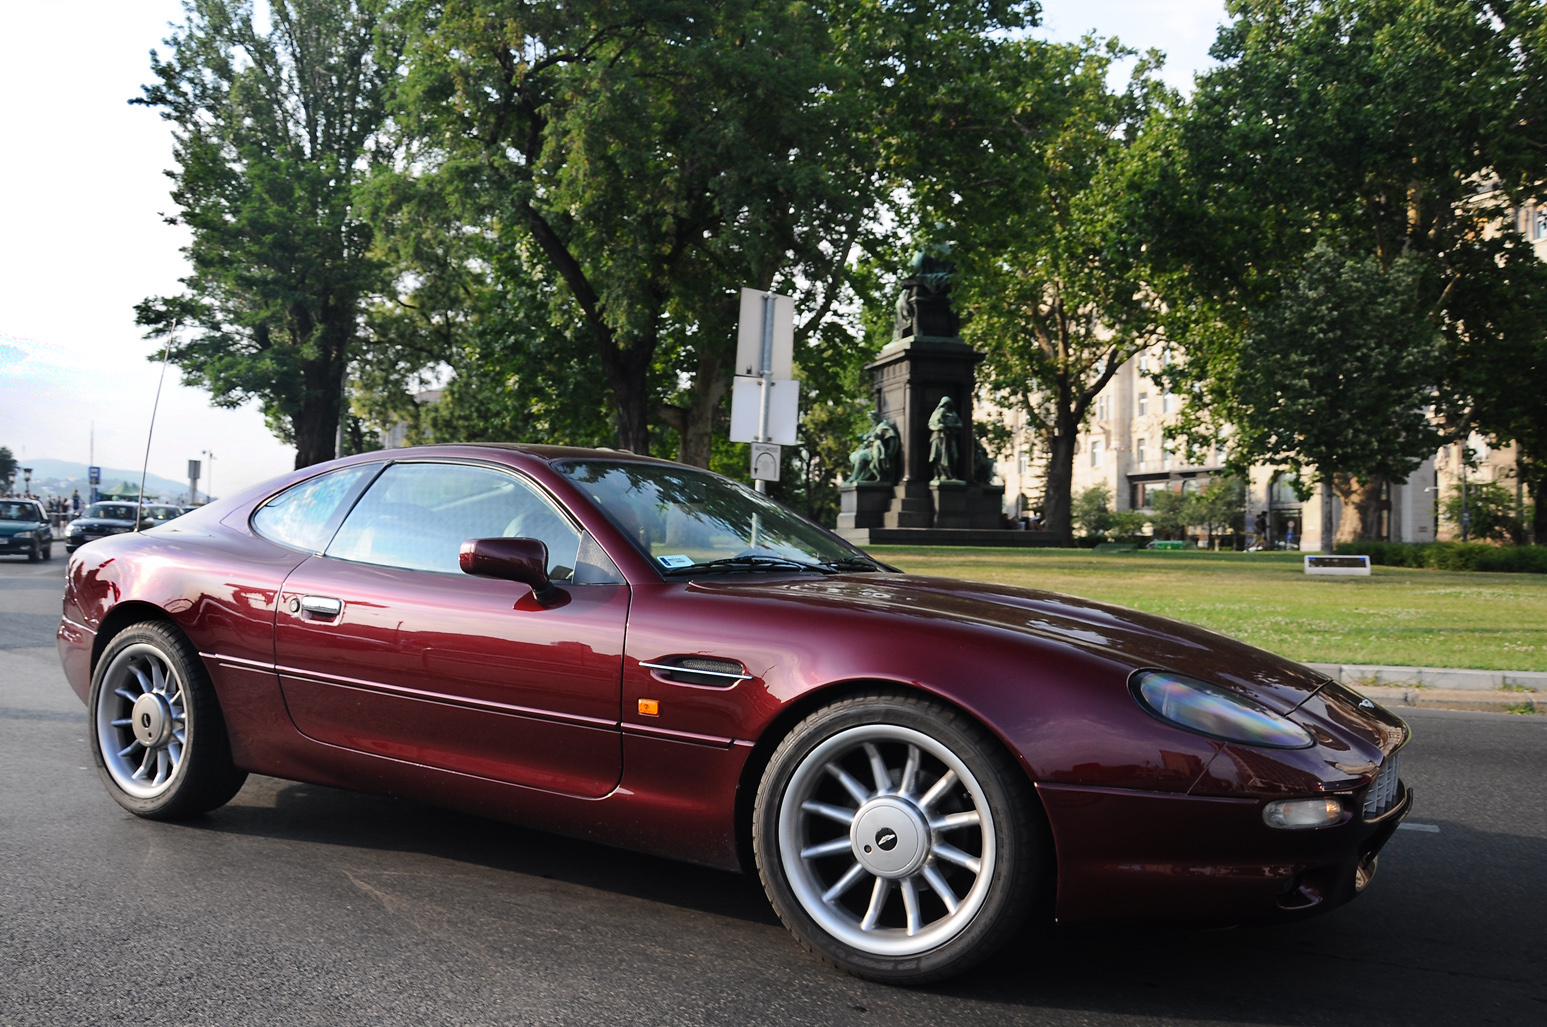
column 1138, row 451
column 1103, row 408
column 1144, row 404
column 1095, row 452
column 1539, row 224
column 1167, row 402
column 1023, row 462
column 1165, row 456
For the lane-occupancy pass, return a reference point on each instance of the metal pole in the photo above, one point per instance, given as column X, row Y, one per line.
column 1465, row 516
column 766, row 371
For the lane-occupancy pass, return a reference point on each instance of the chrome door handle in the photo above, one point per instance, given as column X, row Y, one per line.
column 322, row 606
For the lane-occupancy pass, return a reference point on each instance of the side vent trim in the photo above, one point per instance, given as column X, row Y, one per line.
column 700, row 670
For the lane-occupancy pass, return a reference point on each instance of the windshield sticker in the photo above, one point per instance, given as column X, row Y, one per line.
column 675, row 560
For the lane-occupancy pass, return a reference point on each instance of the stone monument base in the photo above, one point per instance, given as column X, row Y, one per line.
column 960, row 505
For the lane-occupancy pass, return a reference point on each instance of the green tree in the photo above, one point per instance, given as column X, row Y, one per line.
column 8, row 467
column 1169, row 514
column 277, row 125
column 1026, row 179
column 1218, row 507
column 1487, row 509
column 1334, row 381
column 647, row 159
column 1093, row 510
column 1338, row 142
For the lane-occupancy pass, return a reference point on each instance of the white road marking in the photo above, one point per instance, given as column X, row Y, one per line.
column 1430, row 828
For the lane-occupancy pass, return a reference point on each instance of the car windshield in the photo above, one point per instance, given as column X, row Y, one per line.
column 111, row 511
column 19, row 512
column 690, row 521
column 162, row 513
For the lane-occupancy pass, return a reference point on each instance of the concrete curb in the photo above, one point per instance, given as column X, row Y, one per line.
column 1448, row 678
column 1456, row 699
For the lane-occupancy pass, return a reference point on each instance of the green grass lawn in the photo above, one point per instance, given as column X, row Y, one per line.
column 1423, row 618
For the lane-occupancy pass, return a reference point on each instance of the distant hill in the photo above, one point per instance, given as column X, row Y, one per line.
column 64, row 475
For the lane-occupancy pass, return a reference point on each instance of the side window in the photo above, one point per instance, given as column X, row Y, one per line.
column 301, row 515
column 416, row 516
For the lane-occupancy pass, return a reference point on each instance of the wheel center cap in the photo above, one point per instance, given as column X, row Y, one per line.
column 151, row 720
column 890, row 837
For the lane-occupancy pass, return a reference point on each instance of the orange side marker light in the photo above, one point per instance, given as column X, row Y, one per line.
column 650, row 707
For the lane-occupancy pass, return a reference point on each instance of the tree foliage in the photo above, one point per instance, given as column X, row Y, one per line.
column 1026, row 183
column 642, row 161
column 1339, row 142
column 277, row 125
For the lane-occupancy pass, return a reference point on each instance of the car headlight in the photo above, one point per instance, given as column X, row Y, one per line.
column 1217, row 712
column 25, row 534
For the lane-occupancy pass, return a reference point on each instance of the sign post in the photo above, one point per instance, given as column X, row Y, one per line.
column 194, row 467
column 94, row 478
column 765, row 398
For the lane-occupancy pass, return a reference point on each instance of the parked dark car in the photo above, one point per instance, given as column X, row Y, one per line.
column 109, row 517
column 25, row 529
column 653, row 656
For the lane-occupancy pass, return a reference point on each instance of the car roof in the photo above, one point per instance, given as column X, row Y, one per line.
column 545, row 453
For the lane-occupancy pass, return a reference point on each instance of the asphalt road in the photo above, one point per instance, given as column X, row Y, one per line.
column 304, row 905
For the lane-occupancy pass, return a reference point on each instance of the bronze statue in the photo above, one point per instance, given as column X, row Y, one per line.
column 924, row 304
column 876, row 459
column 982, row 464
column 944, row 441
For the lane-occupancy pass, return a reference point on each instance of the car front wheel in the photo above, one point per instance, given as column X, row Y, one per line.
column 896, row 838
column 156, row 731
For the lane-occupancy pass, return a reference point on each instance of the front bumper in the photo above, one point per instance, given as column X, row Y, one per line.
column 1200, row 861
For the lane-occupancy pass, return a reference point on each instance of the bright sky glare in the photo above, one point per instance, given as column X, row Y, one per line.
column 84, row 239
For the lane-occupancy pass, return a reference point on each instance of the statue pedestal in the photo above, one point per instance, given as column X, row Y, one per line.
column 960, row 505
column 864, row 504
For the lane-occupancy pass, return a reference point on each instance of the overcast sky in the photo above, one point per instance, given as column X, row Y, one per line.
column 83, row 241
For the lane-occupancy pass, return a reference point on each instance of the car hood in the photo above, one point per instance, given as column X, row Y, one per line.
column 1139, row 640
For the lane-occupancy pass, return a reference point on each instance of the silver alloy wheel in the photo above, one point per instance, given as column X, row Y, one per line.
column 142, row 721
column 907, row 838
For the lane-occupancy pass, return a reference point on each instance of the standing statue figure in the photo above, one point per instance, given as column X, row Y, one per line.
column 876, row 458
column 944, row 441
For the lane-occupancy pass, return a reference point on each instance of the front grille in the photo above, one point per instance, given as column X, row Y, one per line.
column 1383, row 790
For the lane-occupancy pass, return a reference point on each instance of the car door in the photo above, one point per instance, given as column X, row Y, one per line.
column 384, row 645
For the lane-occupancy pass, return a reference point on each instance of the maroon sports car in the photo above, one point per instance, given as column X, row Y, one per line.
column 650, row 655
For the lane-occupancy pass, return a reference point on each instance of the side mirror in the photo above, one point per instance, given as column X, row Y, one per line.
column 512, row 559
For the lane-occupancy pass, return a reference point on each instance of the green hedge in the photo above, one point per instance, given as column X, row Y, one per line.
column 1451, row 556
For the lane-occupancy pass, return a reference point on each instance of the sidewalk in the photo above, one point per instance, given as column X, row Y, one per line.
column 1444, row 688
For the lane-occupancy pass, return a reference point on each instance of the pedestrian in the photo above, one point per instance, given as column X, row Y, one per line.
column 75, row 503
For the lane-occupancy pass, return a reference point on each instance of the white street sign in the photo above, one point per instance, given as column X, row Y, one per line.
column 749, row 334
column 765, row 461
column 747, row 407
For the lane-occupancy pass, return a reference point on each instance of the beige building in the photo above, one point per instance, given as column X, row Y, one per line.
column 1123, row 444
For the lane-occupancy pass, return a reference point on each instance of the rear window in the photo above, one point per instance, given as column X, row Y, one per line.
column 303, row 516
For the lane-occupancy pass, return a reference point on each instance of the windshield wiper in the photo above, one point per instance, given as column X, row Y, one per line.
column 851, row 563
column 753, row 562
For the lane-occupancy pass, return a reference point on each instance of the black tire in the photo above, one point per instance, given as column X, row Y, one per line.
column 36, row 552
column 48, row 551
column 153, row 712
column 908, row 932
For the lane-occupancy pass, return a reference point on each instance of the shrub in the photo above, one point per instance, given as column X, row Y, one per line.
column 1451, row 556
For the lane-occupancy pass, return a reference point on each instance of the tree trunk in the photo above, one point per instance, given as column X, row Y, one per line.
column 1361, row 500
column 1057, row 503
column 316, row 424
column 628, row 376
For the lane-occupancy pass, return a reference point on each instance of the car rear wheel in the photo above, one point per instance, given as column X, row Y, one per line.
column 156, row 731
column 895, row 838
